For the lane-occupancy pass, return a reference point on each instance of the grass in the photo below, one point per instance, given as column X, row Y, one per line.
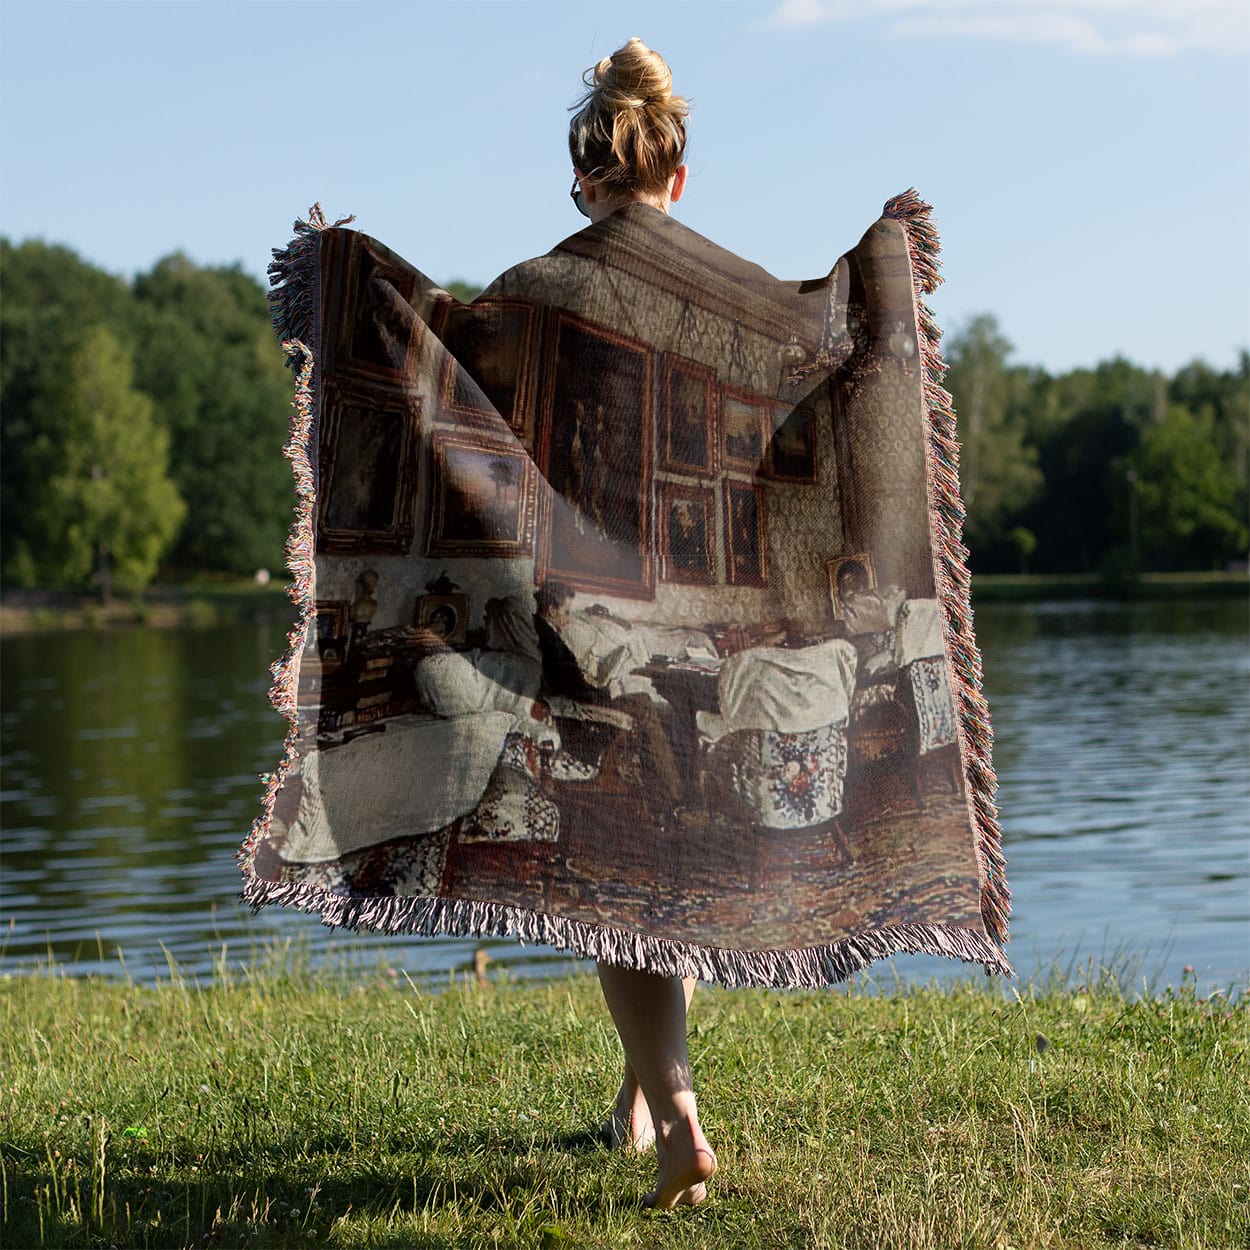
column 292, row 1109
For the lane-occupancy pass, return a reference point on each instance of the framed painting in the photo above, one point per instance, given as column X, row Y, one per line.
column 687, row 528
column 368, row 470
column 331, row 627
column 445, row 615
column 596, row 418
column 489, row 368
column 742, row 422
column 790, row 455
column 482, row 498
column 379, row 331
column 746, row 539
column 849, row 575
column 688, row 412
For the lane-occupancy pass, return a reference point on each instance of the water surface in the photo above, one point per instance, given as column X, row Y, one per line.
column 131, row 762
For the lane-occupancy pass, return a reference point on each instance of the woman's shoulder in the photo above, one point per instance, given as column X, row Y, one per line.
column 535, row 278
column 649, row 246
column 640, row 230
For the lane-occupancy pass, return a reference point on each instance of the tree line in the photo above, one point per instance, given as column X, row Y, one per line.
column 1114, row 470
column 142, row 423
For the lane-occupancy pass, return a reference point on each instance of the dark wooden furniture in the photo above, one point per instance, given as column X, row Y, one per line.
column 373, row 683
column 689, row 689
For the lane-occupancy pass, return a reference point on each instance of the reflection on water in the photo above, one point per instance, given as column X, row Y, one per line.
column 131, row 760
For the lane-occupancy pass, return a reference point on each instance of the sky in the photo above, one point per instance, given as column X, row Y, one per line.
column 1088, row 160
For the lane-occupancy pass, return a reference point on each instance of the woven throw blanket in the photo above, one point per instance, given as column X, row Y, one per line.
column 634, row 618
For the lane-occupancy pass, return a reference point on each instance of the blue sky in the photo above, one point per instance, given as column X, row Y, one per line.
column 1089, row 160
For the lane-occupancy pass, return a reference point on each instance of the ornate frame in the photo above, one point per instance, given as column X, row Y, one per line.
column 452, row 447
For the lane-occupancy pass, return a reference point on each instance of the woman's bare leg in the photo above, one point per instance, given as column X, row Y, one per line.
column 650, row 1015
column 629, row 1124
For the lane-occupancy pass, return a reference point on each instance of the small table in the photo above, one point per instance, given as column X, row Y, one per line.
column 689, row 689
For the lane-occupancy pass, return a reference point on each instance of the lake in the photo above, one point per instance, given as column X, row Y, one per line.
column 130, row 775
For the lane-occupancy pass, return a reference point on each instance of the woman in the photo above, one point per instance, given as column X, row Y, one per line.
column 536, row 438
column 628, row 140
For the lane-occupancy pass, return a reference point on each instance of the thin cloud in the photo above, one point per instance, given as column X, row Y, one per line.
column 1135, row 28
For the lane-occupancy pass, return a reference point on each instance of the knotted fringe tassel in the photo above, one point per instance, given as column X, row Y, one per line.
column 809, row 968
column 294, row 304
column 293, row 275
column 946, row 519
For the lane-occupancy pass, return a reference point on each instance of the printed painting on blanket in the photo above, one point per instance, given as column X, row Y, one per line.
column 609, row 619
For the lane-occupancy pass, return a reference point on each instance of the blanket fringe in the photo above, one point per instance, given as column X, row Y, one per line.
column 293, row 280
column 946, row 519
column 808, row 968
column 293, row 302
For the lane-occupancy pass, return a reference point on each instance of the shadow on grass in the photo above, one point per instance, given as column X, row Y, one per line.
column 261, row 1197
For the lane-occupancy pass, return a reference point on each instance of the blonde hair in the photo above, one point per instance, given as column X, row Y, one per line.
column 629, row 131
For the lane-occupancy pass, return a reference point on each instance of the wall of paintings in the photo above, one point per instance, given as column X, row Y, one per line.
column 624, row 465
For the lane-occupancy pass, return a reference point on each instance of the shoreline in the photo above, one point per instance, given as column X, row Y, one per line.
column 1122, row 975
column 1035, row 587
column 205, row 604
column 173, row 606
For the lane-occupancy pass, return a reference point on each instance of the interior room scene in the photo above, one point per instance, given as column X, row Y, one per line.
column 572, row 572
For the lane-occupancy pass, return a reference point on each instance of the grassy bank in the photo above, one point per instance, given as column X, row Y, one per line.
column 1002, row 587
column 185, row 604
column 291, row 1111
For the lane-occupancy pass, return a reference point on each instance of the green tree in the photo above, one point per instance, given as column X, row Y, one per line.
column 1186, row 495
column 465, row 292
column 208, row 357
column 51, row 297
column 1222, row 398
column 1085, row 425
column 997, row 466
column 1024, row 543
column 104, row 506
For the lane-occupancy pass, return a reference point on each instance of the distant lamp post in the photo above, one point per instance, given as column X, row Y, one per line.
column 1134, row 521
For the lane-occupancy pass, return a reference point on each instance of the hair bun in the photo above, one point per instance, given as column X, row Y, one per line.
column 630, row 129
column 635, row 76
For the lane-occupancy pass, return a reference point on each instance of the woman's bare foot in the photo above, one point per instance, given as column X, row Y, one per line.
column 686, row 1165
column 629, row 1126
